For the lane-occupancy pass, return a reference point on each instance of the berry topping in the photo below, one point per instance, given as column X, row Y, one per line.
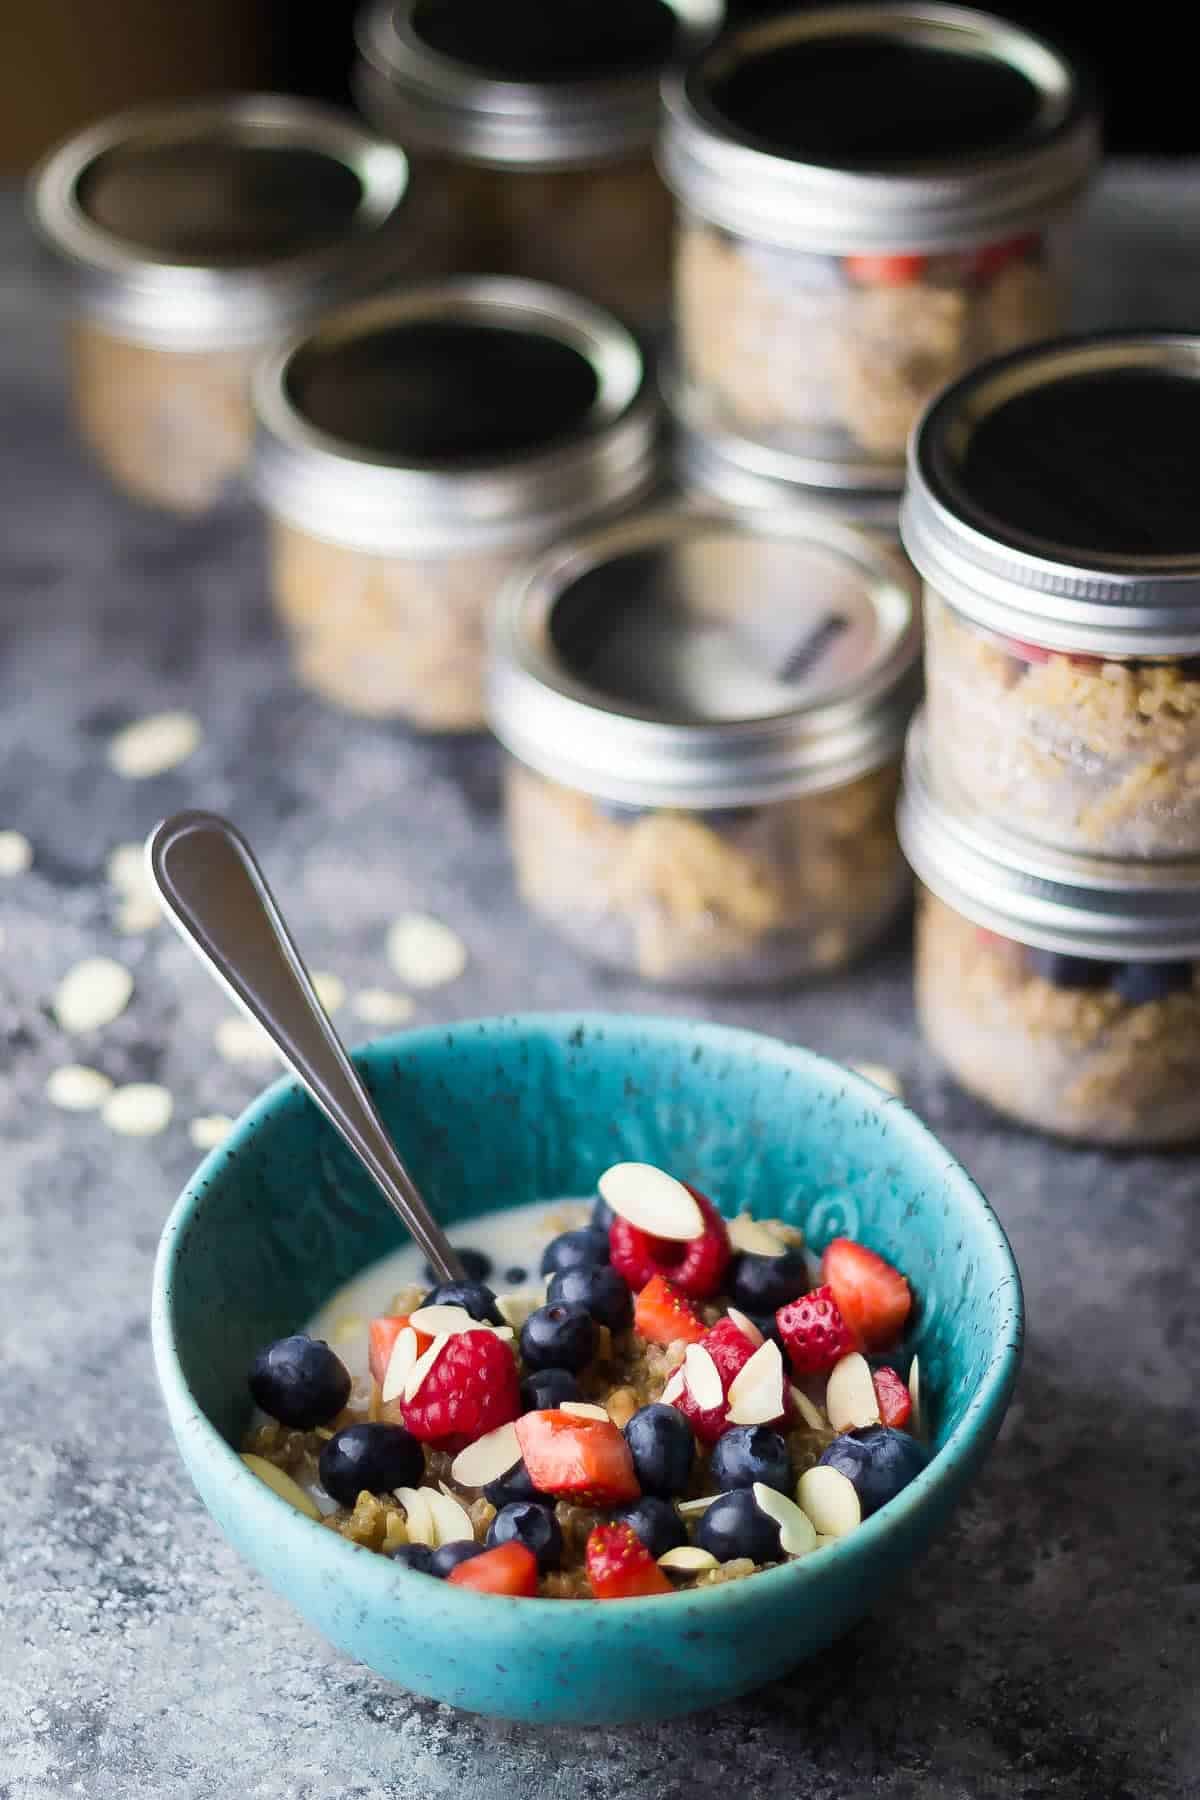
column 663, row 1315
column 371, row 1457
column 895, row 1401
column 508, row 1569
column 874, row 1299
column 873, row 269
column 416, row 1556
column 525, row 1522
column 381, row 1339
column 548, row 1388
column 581, row 1249
column 300, row 1382
column 448, row 1556
column 472, row 1387
column 656, row 1523
column 1139, row 982
column 701, row 1389
column 559, row 1336
column 602, row 1215
column 814, row 1332
column 600, row 1289
column 476, row 1266
column 514, row 1484
column 762, row 1284
column 1069, row 971
column 989, row 259
column 663, row 1450
column 695, row 1265
column 580, row 1459
column 877, row 1462
column 750, row 1453
column 735, row 1525
column 472, row 1296
column 619, row 1566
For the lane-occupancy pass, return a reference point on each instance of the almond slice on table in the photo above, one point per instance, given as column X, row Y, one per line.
column 812, row 1415
column 94, row 993
column 450, row 1522
column 652, row 1200
column 797, row 1533
column 756, row 1394
column 424, row 952
column 746, row 1326
column 755, row 1238
column 421, row 1368
column 76, row 1088
column 210, row 1130
column 584, row 1409
column 140, row 1109
column 418, row 1516
column 850, row 1398
column 830, row 1500
column 16, row 853
column 282, row 1484
column 153, row 745
column 687, row 1559
column 688, row 1509
column 702, row 1378
column 487, row 1458
column 401, row 1364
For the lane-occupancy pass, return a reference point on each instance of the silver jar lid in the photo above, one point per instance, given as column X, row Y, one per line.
column 1051, row 899
column 697, row 660
column 212, row 223
column 517, row 103
column 1054, row 495
column 474, row 413
column 776, row 133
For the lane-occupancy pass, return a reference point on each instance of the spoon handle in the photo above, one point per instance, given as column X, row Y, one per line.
column 213, row 891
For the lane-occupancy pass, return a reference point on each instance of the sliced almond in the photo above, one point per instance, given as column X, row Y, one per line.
column 746, row 1326
column 421, row 1368
column 282, row 1484
column 16, row 853
column 756, row 1392
column 809, row 1411
column 241, row 1040
column 418, row 1516
column 797, row 1534
column 331, row 989
column 94, row 993
column 755, row 1237
column 830, row 1500
column 401, row 1364
column 850, row 1398
column 583, row 1409
column 76, row 1088
column 439, row 1321
column 210, row 1130
column 674, row 1387
column 702, row 1378
column 379, row 1006
column 423, row 952
column 914, row 1394
column 880, row 1075
column 652, row 1200
column 141, row 1109
column 689, row 1509
column 487, row 1458
column 451, row 1524
column 687, row 1559
column 154, row 745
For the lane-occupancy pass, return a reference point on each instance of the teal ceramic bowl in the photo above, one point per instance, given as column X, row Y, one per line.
column 505, row 1110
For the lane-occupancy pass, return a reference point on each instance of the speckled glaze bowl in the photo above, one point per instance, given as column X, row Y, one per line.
column 503, row 1110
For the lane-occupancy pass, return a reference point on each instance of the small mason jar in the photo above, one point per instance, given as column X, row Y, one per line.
column 534, row 123
column 1053, row 509
column 1062, row 989
column 704, row 716
column 185, row 239
column 871, row 200
column 414, row 449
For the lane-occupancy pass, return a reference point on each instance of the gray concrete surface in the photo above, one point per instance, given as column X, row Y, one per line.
column 1047, row 1647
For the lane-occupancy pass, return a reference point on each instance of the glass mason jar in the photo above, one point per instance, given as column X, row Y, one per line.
column 704, row 717
column 184, row 239
column 412, row 451
column 534, row 124
column 871, row 199
column 1062, row 989
column 1054, row 512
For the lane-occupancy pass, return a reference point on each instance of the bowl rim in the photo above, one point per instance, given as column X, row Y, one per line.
column 981, row 1419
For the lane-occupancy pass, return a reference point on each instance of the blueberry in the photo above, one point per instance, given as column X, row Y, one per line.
column 558, row 1336
column 448, row 1556
column 513, row 1485
column 655, row 1522
column 1069, row 971
column 525, row 1522
column 580, row 1249
column 548, row 1388
column 300, row 1382
column 602, row 1215
column 735, row 1525
column 476, row 1266
column 413, row 1556
column 663, row 1449
column 601, row 1290
column 1138, row 982
column 762, row 1284
column 473, row 1296
column 377, row 1457
column 748, row 1453
column 879, row 1461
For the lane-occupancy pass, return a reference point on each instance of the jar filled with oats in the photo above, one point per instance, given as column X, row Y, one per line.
column 1053, row 510
column 871, row 200
column 704, row 717
column 413, row 450
column 534, row 123
column 1062, row 989
column 185, row 238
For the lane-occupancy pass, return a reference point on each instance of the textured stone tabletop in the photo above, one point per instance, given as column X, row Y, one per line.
column 1047, row 1647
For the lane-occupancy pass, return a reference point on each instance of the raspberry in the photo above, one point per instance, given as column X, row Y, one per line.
column 814, row 1333
column 730, row 1350
column 472, row 1388
column 694, row 1267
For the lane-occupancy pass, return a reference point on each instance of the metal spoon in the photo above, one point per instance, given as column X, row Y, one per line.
column 213, row 891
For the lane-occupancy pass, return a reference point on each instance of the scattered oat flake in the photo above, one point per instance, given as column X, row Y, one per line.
column 16, row 853
column 331, row 990
column 241, row 1040
column 76, row 1088
column 210, row 1130
column 152, row 746
column 140, row 1110
column 424, row 952
column 883, row 1077
column 380, row 1006
column 94, row 993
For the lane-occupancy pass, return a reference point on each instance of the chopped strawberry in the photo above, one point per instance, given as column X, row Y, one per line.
column 582, row 1459
column 895, row 1401
column 472, row 1388
column 875, row 1300
column 508, row 1569
column 695, row 1266
column 662, row 1314
column 1038, row 653
column 382, row 1334
column 814, row 1332
column 619, row 1566
column 991, row 258
column 885, row 271
column 730, row 1350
